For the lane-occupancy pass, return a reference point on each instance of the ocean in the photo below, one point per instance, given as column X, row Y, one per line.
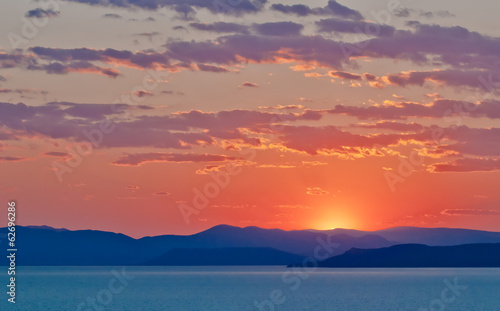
column 252, row 288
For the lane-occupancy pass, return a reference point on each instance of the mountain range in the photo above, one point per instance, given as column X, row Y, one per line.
column 46, row 246
column 418, row 255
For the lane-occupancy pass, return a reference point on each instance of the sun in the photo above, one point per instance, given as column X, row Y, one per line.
column 330, row 222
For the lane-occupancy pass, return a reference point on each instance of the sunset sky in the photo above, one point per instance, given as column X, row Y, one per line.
column 122, row 115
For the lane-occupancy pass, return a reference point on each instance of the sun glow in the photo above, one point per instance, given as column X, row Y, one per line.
column 330, row 223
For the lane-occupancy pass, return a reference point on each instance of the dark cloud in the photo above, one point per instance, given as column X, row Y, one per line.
column 249, row 84
column 142, row 158
column 78, row 66
column 56, row 154
column 468, row 165
column 112, row 15
column 482, row 142
column 23, row 91
column 456, row 78
column 438, row 109
column 345, row 75
column 186, row 12
column 242, row 7
column 230, row 50
column 442, row 13
column 279, row 29
column 403, row 12
column 346, row 26
column 12, row 159
column 211, row 68
column 39, row 13
column 332, row 8
column 112, row 56
column 173, row 93
column 147, row 34
column 143, row 93
column 221, row 27
column 423, row 45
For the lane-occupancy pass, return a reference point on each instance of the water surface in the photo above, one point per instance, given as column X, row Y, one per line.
column 247, row 288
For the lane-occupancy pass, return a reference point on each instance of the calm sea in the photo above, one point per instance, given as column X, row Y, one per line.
column 252, row 288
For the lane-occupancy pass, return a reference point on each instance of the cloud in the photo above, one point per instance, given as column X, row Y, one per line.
column 221, row 27
column 147, row 34
column 394, row 126
column 344, row 75
column 345, row 26
column 316, row 191
column 467, row 165
column 186, row 12
column 248, row 84
column 469, row 53
column 80, row 66
column 186, row 130
column 110, row 56
column 143, row 93
column 212, row 68
column 279, row 29
column 332, row 140
column 112, row 15
column 179, row 27
column 332, row 8
column 56, row 154
column 23, row 92
column 440, row 108
column 450, row 77
column 441, row 13
column 13, row 159
column 403, row 12
column 39, row 13
column 242, row 7
column 470, row 212
column 173, row 93
column 140, row 159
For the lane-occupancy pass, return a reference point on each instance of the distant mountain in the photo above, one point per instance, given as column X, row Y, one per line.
column 417, row 255
column 47, row 227
column 46, row 247
column 301, row 242
column 235, row 256
column 427, row 236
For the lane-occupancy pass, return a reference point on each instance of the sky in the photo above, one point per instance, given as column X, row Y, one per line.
column 152, row 117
